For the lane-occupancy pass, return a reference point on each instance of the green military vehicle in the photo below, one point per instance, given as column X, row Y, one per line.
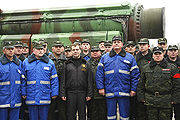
column 93, row 22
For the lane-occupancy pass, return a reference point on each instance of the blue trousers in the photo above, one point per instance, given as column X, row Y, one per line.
column 124, row 107
column 38, row 112
column 9, row 113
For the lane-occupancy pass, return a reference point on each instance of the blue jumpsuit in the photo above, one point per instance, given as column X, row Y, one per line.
column 11, row 78
column 41, row 84
column 118, row 74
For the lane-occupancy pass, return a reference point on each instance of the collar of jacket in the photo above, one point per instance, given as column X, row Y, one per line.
column 83, row 55
column 21, row 57
column 177, row 62
column 163, row 63
column 32, row 58
column 4, row 60
column 61, row 57
column 113, row 53
column 93, row 60
column 148, row 56
column 71, row 60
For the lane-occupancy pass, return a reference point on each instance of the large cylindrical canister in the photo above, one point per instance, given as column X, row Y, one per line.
column 146, row 23
column 153, row 23
column 133, row 21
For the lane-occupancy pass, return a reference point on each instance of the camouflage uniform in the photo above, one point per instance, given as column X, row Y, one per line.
column 155, row 89
column 99, row 108
column 177, row 83
column 142, row 61
column 58, row 103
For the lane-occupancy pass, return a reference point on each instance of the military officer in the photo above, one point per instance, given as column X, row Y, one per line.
column 68, row 52
column 155, row 87
column 98, row 106
column 142, row 58
column 85, row 46
column 162, row 42
column 173, row 58
column 130, row 47
column 58, row 104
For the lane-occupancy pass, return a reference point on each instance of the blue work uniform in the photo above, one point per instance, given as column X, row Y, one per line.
column 41, row 84
column 11, row 78
column 118, row 74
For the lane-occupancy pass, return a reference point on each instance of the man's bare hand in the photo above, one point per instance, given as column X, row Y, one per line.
column 102, row 92
column 63, row 98
column 24, row 97
column 88, row 98
column 132, row 93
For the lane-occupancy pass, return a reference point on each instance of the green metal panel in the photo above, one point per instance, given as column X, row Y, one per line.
column 71, row 12
column 25, row 38
column 82, row 19
column 134, row 22
column 69, row 38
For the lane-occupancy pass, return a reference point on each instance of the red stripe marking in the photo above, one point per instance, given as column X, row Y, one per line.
column 75, row 36
column 176, row 75
column 36, row 26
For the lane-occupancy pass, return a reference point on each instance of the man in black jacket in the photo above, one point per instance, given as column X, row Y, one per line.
column 142, row 58
column 76, row 85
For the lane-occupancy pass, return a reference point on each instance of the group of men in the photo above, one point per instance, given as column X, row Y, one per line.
column 56, row 86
